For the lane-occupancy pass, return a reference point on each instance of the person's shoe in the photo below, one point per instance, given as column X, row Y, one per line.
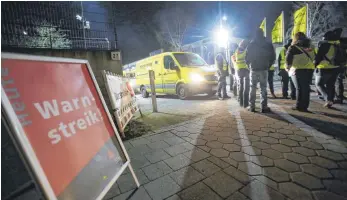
column 321, row 98
column 299, row 109
column 220, row 97
column 251, row 109
column 265, row 110
column 285, row 97
column 312, row 90
column 293, row 98
column 226, row 97
column 273, row 95
column 328, row 104
column 295, row 108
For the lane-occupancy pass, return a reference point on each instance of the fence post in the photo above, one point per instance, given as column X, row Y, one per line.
column 153, row 94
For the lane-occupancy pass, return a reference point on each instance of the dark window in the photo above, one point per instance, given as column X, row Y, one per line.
column 189, row 60
column 167, row 60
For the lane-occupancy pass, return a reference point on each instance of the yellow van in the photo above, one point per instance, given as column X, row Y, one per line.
column 181, row 73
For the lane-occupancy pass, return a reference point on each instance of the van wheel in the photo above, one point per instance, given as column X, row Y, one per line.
column 182, row 92
column 144, row 92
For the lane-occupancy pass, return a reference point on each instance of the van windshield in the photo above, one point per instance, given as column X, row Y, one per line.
column 189, row 60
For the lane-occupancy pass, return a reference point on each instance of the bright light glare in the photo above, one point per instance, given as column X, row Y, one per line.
column 25, row 33
column 196, row 78
column 222, row 37
column 225, row 18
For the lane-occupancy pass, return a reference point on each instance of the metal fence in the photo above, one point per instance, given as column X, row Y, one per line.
column 58, row 25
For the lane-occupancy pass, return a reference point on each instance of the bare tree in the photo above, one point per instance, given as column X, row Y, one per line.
column 322, row 17
column 173, row 23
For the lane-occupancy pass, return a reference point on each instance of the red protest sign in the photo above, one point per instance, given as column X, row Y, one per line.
column 65, row 122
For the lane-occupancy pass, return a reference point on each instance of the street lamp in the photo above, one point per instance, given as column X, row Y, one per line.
column 79, row 17
column 221, row 37
column 86, row 25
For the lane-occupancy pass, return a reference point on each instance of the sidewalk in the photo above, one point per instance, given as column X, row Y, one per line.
column 233, row 154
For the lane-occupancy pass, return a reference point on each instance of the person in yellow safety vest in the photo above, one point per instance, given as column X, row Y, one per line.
column 270, row 80
column 328, row 63
column 342, row 71
column 242, row 72
column 285, row 79
column 299, row 64
column 222, row 72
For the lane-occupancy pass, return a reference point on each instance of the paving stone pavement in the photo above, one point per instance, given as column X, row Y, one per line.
column 233, row 154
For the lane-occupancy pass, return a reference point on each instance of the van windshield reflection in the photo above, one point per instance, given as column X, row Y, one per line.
column 189, row 60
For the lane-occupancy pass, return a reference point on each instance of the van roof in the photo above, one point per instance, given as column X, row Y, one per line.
column 132, row 65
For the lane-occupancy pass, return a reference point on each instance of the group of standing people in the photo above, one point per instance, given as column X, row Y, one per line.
column 253, row 62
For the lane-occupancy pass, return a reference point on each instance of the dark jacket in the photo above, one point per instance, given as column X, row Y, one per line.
column 220, row 61
column 260, row 54
column 323, row 49
column 292, row 50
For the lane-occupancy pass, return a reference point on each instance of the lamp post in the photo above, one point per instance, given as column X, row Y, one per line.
column 85, row 24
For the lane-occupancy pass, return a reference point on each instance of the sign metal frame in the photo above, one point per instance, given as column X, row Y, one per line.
column 23, row 141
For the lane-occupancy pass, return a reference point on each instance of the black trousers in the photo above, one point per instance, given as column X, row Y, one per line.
column 270, row 80
column 302, row 80
column 325, row 82
column 285, row 82
column 292, row 89
column 243, row 87
column 339, row 84
column 233, row 84
column 222, row 86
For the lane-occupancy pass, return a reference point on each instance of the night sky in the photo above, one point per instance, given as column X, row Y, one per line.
column 246, row 16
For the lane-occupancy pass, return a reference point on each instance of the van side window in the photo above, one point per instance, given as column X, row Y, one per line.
column 167, row 60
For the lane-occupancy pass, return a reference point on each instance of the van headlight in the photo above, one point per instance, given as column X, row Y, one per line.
column 196, row 77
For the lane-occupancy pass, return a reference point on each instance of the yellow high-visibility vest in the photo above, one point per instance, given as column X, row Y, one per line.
column 240, row 62
column 283, row 58
column 225, row 63
column 272, row 68
column 325, row 64
column 302, row 61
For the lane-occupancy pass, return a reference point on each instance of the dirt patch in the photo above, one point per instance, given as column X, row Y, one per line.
column 152, row 121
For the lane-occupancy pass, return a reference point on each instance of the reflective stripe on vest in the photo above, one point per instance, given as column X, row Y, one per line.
column 325, row 64
column 240, row 62
column 283, row 58
column 302, row 61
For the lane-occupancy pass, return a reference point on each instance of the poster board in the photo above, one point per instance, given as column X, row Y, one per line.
column 122, row 97
column 61, row 121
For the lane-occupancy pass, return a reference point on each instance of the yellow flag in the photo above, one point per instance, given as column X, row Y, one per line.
column 300, row 21
column 263, row 26
column 277, row 30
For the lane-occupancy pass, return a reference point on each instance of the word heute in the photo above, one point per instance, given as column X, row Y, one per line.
column 53, row 108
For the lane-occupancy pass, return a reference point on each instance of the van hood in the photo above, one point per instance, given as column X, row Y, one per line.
column 204, row 69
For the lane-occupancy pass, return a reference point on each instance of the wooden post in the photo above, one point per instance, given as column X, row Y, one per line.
column 154, row 97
